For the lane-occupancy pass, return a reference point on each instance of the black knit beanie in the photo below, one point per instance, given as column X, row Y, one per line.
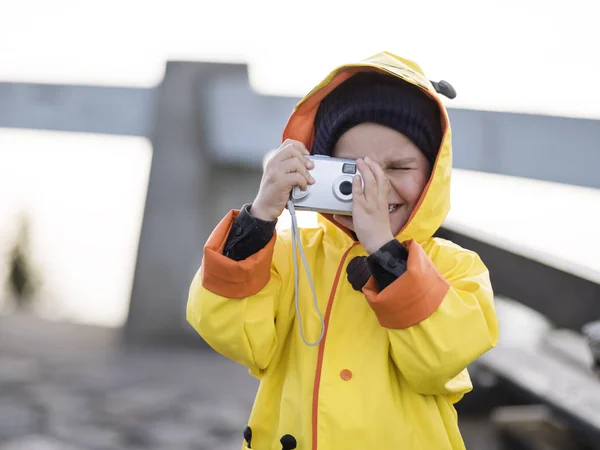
column 382, row 99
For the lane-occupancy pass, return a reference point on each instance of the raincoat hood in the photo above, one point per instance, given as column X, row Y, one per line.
column 434, row 204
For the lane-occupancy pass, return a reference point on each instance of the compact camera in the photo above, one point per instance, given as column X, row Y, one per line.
column 332, row 191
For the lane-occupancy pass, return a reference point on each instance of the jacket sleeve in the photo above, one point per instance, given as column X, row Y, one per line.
column 234, row 305
column 248, row 235
column 440, row 317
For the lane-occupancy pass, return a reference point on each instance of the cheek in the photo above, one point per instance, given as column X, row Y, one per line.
column 410, row 187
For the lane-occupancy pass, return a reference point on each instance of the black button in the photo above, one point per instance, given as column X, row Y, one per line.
column 288, row 442
column 346, row 188
column 392, row 262
column 238, row 230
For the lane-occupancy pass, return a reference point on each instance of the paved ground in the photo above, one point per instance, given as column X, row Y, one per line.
column 68, row 387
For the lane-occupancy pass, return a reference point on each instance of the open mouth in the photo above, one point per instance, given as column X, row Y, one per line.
column 392, row 208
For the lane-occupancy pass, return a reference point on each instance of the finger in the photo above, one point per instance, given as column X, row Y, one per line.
column 290, row 152
column 370, row 185
column 291, row 149
column 295, row 165
column 297, row 144
column 380, row 178
column 345, row 221
column 294, row 179
column 357, row 189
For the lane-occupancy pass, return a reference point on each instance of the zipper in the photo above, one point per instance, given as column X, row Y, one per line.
column 315, row 402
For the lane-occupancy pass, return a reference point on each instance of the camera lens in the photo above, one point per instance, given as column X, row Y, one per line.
column 346, row 187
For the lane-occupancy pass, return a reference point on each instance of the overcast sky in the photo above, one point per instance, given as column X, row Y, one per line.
column 528, row 55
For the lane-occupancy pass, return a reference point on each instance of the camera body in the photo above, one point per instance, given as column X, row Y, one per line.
column 332, row 191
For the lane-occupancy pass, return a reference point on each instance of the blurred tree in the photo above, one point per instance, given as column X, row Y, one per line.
column 23, row 280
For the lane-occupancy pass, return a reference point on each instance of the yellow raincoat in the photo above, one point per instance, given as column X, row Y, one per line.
column 391, row 364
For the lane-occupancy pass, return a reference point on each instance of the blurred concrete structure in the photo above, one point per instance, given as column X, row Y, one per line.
column 90, row 109
column 202, row 166
column 210, row 131
column 72, row 387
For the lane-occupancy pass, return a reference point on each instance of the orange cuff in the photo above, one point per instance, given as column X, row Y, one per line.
column 234, row 279
column 413, row 297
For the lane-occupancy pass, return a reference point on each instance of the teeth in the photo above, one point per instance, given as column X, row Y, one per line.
column 392, row 208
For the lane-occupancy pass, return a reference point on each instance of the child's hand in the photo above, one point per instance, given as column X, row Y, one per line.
column 370, row 211
column 286, row 169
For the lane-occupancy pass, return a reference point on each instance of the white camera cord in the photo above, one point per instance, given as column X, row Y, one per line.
column 296, row 241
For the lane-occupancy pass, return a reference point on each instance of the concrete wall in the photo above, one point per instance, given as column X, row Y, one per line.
column 189, row 192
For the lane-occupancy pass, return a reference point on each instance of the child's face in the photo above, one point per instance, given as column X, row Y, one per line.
column 403, row 163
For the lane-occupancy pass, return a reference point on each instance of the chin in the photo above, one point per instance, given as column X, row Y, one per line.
column 397, row 227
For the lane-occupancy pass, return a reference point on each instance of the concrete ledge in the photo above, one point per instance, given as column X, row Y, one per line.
column 552, row 223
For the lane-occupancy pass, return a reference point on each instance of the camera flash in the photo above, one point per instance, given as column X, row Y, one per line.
column 349, row 168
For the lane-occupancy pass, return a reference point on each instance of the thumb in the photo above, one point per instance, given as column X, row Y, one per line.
column 345, row 221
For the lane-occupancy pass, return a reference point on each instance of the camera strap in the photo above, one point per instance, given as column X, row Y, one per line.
column 296, row 242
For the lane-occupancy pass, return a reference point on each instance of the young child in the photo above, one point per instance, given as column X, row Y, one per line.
column 404, row 313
